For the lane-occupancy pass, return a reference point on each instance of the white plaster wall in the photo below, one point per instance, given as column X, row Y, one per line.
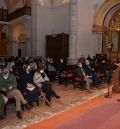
column 50, row 21
column 61, row 19
column 85, row 21
column 3, row 4
column 44, row 26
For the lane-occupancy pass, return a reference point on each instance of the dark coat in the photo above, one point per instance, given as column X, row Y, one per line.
column 25, row 78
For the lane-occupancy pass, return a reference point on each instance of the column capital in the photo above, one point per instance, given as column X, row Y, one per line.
column 99, row 28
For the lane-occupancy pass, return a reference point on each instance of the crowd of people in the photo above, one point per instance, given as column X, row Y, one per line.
column 26, row 78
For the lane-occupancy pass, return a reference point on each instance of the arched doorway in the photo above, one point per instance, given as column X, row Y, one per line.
column 3, row 40
column 19, row 39
column 102, row 24
column 108, row 37
column 113, row 35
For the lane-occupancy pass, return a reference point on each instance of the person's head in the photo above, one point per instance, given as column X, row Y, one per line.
column 82, row 56
column 61, row 60
column 41, row 68
column 5, row 72
column 80, row 64
column 28, row 67
column 103, row 61
column 87, row 62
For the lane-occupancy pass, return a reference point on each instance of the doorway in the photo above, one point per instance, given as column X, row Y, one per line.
column 19, row 52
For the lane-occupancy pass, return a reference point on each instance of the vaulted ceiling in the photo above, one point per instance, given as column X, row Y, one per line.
column 12, row 5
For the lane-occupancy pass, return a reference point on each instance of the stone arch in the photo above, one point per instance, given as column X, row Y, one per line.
column 103, row 10
column 102, row 19
column 101, row 22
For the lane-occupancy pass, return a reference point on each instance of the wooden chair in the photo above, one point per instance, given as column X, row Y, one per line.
column 43, row 99
column 101, row 76
column 78, row 82
column 11, row 100
column 66, row 75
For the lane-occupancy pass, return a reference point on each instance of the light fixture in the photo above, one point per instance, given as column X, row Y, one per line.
column 115, row 22
column 66, row 1
column 41, row 2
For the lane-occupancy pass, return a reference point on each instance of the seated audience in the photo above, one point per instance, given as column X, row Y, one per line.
column 8, row 84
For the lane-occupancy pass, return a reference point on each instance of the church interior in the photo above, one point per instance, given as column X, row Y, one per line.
column 77, row 45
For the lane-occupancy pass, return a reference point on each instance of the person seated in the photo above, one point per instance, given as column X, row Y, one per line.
column 33, row 65
column 42, row 81
column 91, row 72
column 27, row 86
column 51, row 70
column 89, row 58
column 82, row 74
column 114, row 65
column 11, row 67
column 104, row 67
column 8, row 85
column 61, row 69
column 51, row 66
column 82, row 59
column 61, row 66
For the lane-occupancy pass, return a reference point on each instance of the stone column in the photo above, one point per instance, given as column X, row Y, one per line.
column 73, row 32
column 34, row 28
column 97, row 43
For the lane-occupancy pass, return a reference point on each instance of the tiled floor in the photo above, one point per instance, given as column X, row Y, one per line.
column 69, row 98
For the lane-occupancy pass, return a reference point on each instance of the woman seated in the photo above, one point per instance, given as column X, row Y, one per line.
column 51, row 71
column 41, row 80
column 27, row 86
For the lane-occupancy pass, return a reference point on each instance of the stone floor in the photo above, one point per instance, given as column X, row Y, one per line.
column 69, row 98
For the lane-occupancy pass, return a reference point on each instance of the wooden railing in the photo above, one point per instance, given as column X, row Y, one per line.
column 4, row 16
column 20, row 12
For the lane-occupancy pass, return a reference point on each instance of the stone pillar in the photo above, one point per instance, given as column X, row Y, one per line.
column 97, row 43
column 34, row 28
column 73, row 32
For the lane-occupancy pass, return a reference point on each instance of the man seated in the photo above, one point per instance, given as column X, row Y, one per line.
column 82, row 74
column 91, row 72
column 8, row 84
column 52, row 74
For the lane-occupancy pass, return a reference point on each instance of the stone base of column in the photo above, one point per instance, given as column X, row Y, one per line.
column 72, row 61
